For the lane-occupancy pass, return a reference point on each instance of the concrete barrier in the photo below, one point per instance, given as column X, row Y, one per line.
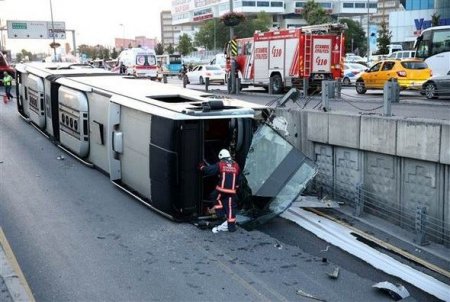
column 378, row 134
column 344, row 130
column 418, row 139
column 445, row 144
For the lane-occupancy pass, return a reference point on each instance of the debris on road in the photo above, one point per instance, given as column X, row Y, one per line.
column 334, row 274
column 304, row 294
column 398, row 292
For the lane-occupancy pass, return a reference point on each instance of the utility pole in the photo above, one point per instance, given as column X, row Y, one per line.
column 232, row 59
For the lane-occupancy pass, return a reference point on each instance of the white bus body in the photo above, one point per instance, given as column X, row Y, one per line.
column 150, row 137
column 433, row 46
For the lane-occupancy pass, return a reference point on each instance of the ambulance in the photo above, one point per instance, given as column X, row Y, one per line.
column 285, row 58
column 138, row 62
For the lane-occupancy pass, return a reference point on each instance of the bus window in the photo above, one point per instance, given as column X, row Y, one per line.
column 424, row 45
column 441, row 41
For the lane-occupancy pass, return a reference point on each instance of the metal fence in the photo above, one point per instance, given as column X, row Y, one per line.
column 363, row 201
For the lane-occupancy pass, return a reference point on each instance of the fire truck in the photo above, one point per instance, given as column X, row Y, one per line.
column 290, row 57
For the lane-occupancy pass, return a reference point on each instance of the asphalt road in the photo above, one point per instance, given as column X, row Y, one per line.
column 410, row 105
column 78, row 238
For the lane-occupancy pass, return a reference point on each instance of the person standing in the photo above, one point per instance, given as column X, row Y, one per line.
column 229, row 178
column 7, row 82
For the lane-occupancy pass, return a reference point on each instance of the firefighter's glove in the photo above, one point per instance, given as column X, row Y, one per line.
column 201, row 165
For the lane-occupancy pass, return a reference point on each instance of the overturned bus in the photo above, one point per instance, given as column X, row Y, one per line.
column 150, row 137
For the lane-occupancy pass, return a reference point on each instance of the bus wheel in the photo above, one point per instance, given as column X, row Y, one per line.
column 360, row 87
column 430, row 91
column 277, row 84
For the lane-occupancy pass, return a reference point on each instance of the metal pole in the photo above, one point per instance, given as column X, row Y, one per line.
column 53, row 30
column 73, row 41
column 368, row 34
column 233, row 63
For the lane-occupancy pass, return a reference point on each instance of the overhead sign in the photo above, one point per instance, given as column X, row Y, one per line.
column 35, row 29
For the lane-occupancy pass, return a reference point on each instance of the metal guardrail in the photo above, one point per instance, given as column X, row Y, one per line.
column 418, row 220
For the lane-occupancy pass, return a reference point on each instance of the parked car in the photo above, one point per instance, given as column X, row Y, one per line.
column 355, row 59
column 351, row 73
column 437, row 86
column 410, row 74
column 198, row 75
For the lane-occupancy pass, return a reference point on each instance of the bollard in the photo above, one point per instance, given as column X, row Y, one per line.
column 326, row 94
column 338, row 88
column 305, row 87
column 395, row 91
column 238, row 85
column 165, row 78
column 206, row 83
column 184, row 81
column 387, row 98
column 270, row 90
column 421, row 219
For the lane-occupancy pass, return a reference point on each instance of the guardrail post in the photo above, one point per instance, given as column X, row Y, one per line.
column 326, row 94
column 387, row 98
column 238, row 85
column 184, row 81
column 305, row 86
column 395, row 91
column 165, row 78
column 206, row 83
column 421, row 219
column 270, row 90
column 338, row 88
column 359, row 201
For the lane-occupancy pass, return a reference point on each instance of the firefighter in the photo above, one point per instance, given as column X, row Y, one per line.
column 7, row 82
column 229, row 177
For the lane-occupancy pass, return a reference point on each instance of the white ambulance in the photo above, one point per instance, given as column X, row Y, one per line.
column 138, row 62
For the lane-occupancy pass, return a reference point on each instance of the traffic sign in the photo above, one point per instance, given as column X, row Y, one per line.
column 18, row 29
column 233, row 47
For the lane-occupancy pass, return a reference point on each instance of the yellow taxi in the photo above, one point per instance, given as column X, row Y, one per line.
column 410, row 74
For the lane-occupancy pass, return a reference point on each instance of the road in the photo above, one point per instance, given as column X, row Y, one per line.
column 411, row 104
column 78, row 238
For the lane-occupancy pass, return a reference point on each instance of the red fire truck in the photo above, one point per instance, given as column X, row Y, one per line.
column 286, row 57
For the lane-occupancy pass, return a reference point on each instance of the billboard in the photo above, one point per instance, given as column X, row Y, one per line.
column 35, row 29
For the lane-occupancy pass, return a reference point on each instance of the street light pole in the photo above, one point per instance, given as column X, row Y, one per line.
column 53, row 31
column 123, row 35
column 232, row 59
column 368, row 34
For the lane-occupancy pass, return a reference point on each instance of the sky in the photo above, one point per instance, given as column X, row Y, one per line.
column 94, row 21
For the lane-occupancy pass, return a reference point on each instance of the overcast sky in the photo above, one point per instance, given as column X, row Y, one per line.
column 95, row 21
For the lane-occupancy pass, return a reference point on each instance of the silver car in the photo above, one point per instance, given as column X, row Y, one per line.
column 437, row 86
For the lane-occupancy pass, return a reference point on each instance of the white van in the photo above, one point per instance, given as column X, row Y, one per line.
column 139, row 62
column 403, row 54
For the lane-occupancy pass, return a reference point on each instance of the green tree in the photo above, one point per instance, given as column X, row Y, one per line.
column 213, row 33
column 384, row 38
column 159, row 49
column 24, row 55
column 435, row 19
column 170, row 50
column 114, row 53
column 185, row 45
column 355, row 32
column 314, row 14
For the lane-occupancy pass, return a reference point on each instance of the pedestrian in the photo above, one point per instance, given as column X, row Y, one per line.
column 229, row 178
column 7, row 82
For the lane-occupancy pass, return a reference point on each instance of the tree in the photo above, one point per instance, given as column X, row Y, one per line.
column 384, row 38
column 24, row 55
column 185, row 44
column 114, row 54
column 159, row 49
column 313, row 13
column 213, row 33
column 170, row 50
column 435, row 19
column 356, row 33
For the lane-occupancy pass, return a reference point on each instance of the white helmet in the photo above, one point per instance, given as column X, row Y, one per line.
column 224, row 153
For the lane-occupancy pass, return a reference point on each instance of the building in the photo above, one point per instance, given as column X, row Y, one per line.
column 385, row 7
column 285, row 13
column 142, row 41
column 170, row 33
column 407, row 25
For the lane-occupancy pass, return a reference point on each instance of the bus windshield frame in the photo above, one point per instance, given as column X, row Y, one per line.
column 433, row 42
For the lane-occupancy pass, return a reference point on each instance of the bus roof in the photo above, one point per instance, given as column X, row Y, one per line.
column 436, row 28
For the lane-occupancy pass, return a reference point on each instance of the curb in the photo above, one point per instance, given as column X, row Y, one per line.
column 11, row 274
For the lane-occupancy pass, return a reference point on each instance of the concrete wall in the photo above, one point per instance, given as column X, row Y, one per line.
column 399, row 164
